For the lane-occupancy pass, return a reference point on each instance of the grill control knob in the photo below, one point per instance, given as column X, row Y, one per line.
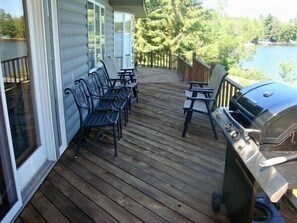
column 218, row 115
column 228, row 126
column 234, row 134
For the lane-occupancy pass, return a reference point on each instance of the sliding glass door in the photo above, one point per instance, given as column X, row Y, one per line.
column 27, row 134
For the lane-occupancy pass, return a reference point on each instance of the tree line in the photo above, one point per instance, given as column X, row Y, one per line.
column 11, row 27
column 185, row 27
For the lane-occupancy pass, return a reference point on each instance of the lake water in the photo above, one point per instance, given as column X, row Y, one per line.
column 268, row 58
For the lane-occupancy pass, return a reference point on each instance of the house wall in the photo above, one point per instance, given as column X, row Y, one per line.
column 72, row 17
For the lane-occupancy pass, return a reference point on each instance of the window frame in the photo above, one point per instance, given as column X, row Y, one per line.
column 99, row 36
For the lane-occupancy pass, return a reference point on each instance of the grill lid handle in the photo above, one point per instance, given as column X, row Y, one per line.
column 278, row 160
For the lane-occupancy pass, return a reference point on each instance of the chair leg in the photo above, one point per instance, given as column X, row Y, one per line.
column 213, row 127
column 130, row 107
column 188, row 116
column 135, row 94
column 115, row 140
column 81, row 133
column 119, row 128
column 126, row 114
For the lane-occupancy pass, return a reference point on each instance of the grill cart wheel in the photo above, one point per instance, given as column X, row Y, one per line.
column 216, row 201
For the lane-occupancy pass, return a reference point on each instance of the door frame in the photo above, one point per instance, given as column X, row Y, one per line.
column 38, row 66
column 6, row 143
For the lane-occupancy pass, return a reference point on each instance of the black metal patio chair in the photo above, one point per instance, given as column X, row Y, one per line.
column 109, row 90
column 129, row 73
column 100, row 101
column 93, row 118
column 118, row 79
column 201, row 97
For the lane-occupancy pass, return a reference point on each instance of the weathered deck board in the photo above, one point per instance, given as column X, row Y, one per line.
column 158, row 176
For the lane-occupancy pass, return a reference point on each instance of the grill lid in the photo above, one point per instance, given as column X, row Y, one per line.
column 270, row 107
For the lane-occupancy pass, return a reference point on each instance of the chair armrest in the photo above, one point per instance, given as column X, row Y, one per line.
column 200, row 98
column 116, row 79
column 201, row 84
column 121, row 80
column 125, row 74
column 202, row 90
column 128, row 69
column 198, row 82
column 123, row 71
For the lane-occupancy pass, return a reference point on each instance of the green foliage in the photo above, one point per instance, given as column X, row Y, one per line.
column 288, row 71
column 11, row 27
column 248, row 74
column 171, row 25
column 184, row 27
column 275, row 31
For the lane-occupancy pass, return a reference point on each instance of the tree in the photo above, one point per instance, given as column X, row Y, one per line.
column 11, row 27
column 288, row 71
column 271, row 27
column 171, row 25
column 184, row 27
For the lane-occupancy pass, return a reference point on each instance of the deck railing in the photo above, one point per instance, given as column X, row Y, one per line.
column 15, row 70
column 197, row 70
column 157, row 59
column 228, row 89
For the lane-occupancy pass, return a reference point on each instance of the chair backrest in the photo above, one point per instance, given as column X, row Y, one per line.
column 102, row 79
column 92, row 86
column 82, row 100
column 110, row 68
column 115, row 62
column 215, row 82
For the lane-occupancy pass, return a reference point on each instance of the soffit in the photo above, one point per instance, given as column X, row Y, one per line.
column 136, row 7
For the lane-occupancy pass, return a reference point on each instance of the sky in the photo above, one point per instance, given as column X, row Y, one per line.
column 13, row 7
column 284, row 10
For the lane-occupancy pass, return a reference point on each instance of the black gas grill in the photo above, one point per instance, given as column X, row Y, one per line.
column 261, row 130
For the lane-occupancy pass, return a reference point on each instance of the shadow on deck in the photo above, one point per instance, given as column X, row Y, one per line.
column 158, row 176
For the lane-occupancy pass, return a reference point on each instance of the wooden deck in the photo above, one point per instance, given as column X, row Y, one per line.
column 158, row 176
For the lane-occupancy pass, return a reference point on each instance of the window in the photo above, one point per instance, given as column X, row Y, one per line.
column 124, row 29
column 96, row 33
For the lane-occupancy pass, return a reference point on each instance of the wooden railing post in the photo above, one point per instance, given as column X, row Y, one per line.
column 170, row 60
column 151, row 58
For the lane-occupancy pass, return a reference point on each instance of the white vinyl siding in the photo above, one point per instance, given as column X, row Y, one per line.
column 74, row 53
column 72, row 18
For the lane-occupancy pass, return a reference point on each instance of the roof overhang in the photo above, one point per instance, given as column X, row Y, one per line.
column 136, row 7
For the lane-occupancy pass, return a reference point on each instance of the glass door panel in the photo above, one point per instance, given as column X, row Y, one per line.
column 119, row 36
column 17, row 78
column 8, row 194
column 128, row 41
column 124, row 38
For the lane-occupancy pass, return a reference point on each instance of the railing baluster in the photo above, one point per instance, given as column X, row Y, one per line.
column 15, row 70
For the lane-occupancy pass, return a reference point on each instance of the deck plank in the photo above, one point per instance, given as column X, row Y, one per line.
column 79, row 199
column 158, row 175
column 47, row 209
